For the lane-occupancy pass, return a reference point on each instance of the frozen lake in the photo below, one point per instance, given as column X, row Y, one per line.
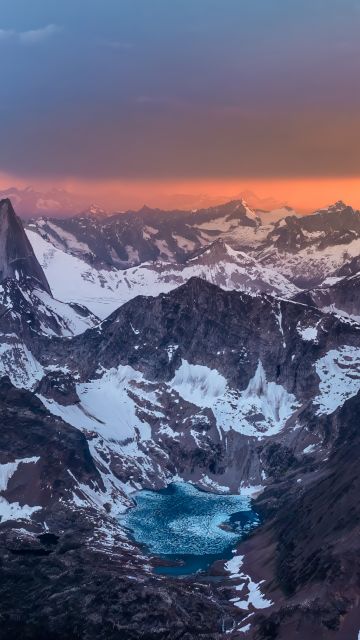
column 182, row 523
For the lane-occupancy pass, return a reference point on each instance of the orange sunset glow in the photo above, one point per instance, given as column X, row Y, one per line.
column 303, row 194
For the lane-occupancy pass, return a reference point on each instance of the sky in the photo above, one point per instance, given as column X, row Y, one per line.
column 133, row 99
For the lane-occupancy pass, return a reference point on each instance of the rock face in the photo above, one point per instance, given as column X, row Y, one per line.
column 59, row 452
column 27, row 307
column 17, row 258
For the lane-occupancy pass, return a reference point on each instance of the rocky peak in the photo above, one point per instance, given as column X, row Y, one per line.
column 94, row 210
column 219, row 251
column 239, row 209
column 337, row 207
column 17, row 258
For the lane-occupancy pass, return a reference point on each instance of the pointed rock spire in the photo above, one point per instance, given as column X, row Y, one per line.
column 17, row 258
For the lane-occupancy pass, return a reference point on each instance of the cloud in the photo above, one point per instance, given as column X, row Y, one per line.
column 33, row 36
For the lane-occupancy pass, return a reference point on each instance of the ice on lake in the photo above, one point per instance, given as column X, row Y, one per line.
column 183, row 523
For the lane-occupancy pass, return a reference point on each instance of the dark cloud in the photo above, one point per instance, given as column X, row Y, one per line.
column 178, row 142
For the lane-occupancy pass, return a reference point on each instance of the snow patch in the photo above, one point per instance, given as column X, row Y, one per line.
column 13, row 510
column 17, row 362
column 107, row 405
column 249, row 589
column 339, row 373
column 261, row 409
column 310, row 448
column 8, row 469
column 309, row 334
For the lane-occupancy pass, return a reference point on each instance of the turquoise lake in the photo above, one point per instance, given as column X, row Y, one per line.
column 182, row 524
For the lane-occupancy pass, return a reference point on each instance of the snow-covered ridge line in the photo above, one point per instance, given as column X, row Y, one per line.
column 103, row 291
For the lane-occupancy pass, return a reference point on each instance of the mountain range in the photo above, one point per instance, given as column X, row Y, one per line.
column 211, row 347
column 32, row 202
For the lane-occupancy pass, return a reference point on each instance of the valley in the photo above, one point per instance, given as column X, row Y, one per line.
column 171, row 395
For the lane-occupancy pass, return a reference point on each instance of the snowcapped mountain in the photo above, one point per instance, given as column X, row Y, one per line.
column 103, row 290
column 337, row 225
column 129, row 239
column 274, row 215
column 94, row 210
column 232, row 269
column 307, row 250
column 225, row 245
column 222, row 368
column 214, row 376
column 303, row 250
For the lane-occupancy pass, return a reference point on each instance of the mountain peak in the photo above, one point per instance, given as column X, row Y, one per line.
column 95, row 210
column 216, row 252
column 17, row 258
column 336, row 207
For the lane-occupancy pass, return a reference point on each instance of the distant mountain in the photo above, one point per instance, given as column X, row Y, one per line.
column 307, row 250
column 268, row 209
column 94, row 210
column 30, row 202
column 304, row 251
column 103, row 290
column 262, row 204
column 187, row 201
column 338, row 224
column 273, row 215
column 128, row 239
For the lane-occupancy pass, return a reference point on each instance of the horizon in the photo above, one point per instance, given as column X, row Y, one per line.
column 264, row 201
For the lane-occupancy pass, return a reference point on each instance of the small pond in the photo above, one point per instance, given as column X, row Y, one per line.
column 188, row 527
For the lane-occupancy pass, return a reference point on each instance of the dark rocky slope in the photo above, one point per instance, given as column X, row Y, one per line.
column 58, row 581
column 339, row 224
column 341, row 296
column 309, row 547
column 226, row 330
